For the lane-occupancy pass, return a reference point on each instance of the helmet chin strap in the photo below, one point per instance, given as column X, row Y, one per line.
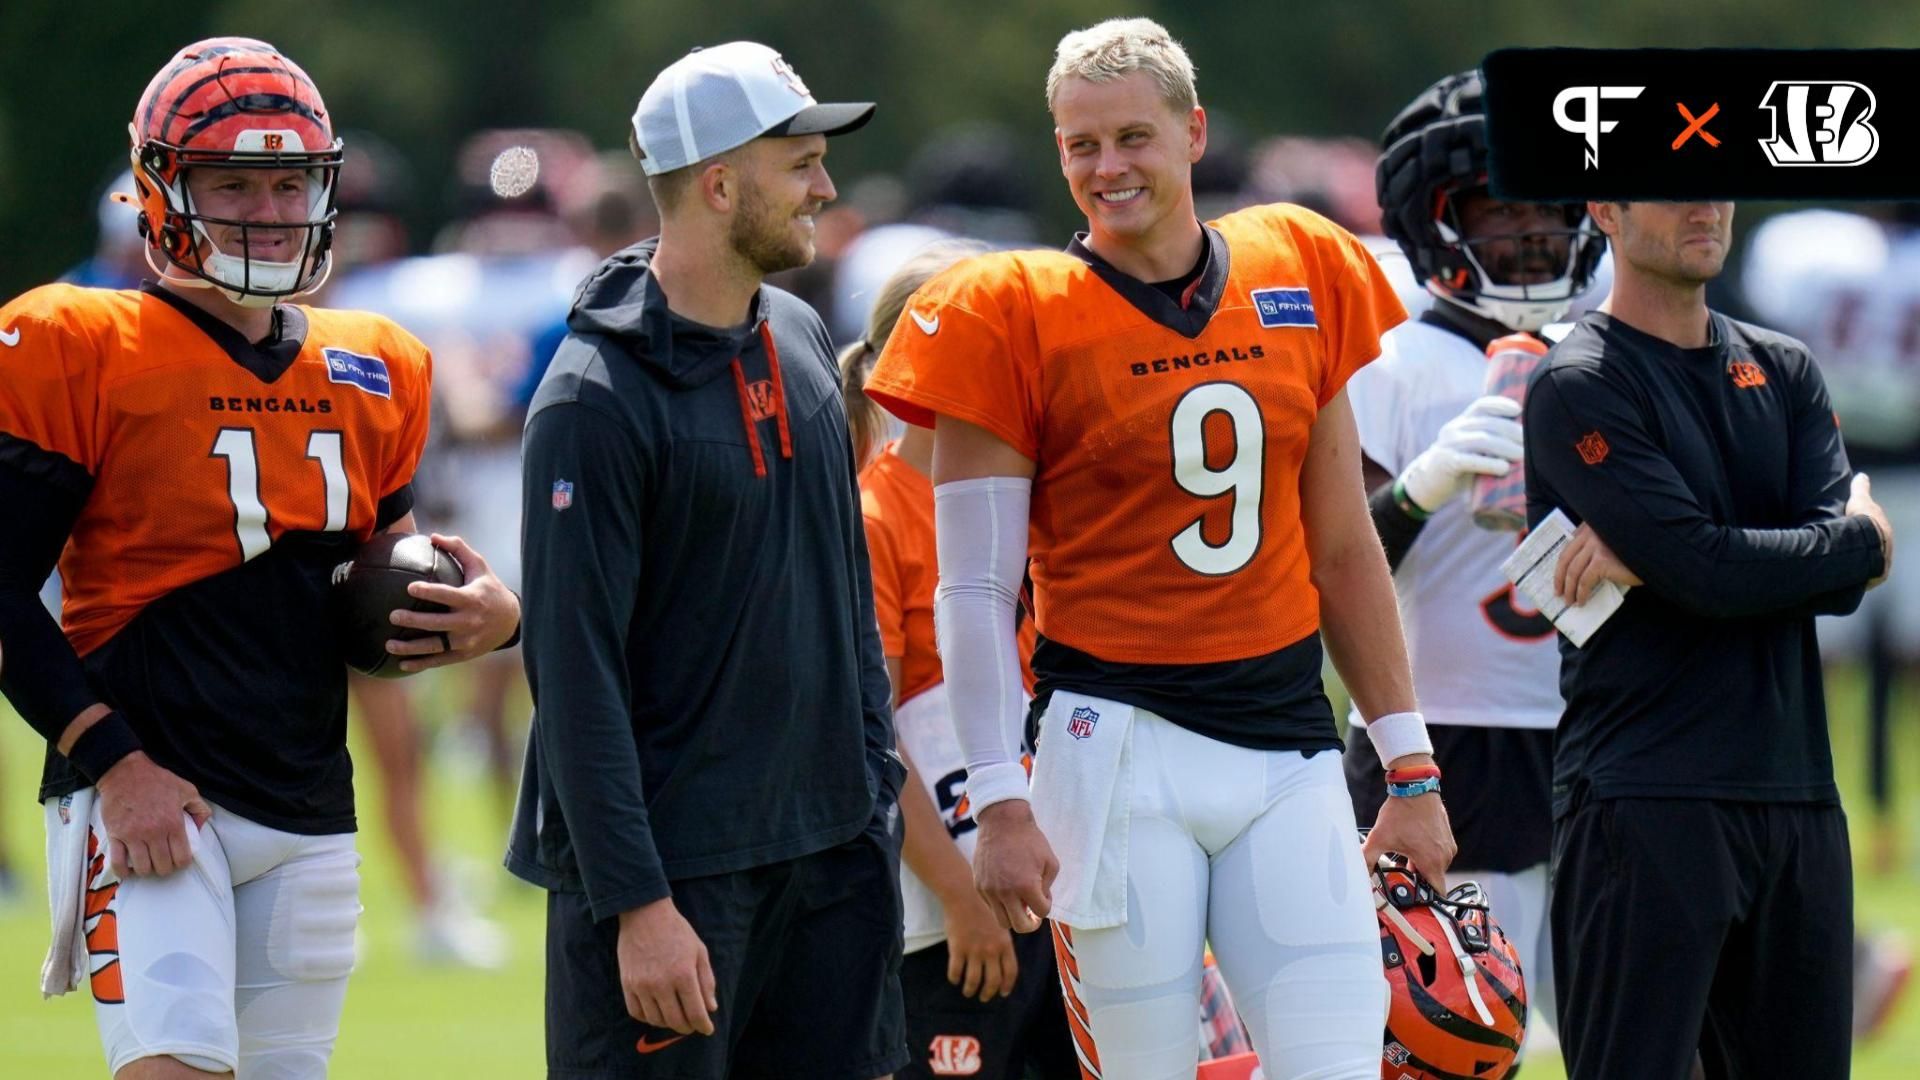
column 222, row 266
column 1526, row 315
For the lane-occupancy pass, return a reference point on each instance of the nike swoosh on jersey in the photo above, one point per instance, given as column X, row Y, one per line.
column 647, row 1044
column 10, row 338
column 927, row 326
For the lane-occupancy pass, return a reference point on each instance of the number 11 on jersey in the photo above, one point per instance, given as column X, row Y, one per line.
column 243, row 484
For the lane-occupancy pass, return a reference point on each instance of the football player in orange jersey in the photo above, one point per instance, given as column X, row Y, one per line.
column 199, row 455
column 1153, row 424
column 979, row 1001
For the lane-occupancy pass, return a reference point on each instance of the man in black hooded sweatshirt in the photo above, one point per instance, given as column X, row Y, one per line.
column 710, row 782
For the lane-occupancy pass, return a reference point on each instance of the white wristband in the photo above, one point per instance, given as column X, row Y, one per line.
column 991, row 784
column 1396, row 735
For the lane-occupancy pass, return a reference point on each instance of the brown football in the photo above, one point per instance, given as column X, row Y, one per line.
column 368, row 589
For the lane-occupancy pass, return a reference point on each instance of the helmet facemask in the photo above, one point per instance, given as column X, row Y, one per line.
column 188, row 244
column 233, row 103
column 1457, row 998
column 1481, row 284
column 1434, row 151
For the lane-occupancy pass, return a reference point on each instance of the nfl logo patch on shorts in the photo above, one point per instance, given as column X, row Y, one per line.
column 1284, row 306
column 562, row 494
column 1080, row 724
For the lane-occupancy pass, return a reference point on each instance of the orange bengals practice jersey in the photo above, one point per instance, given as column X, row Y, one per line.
column 197, row 462
column 896, row 501
column 1167, row 437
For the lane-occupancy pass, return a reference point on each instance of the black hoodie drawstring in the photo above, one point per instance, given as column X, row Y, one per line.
column 779, row 403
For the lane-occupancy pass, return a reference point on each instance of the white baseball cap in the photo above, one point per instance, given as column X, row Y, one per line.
column 712, row 100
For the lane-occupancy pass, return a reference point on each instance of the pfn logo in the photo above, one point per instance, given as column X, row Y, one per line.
column 1588, row 124
column 1820, row 123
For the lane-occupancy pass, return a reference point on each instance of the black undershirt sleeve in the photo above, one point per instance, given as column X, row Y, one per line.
column 1398, row 530
column 42, row 675
column 393, row 507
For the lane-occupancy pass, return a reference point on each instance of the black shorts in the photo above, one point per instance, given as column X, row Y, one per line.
column 1022, row 1035
column 1684, row 924
column 806, row 963
column 1496, row 789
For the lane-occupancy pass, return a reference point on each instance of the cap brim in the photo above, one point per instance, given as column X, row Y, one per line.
column 826, row 120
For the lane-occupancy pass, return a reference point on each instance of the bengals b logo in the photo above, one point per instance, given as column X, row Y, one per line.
column 760, row 398
column 954, row 1055
column 1819, row 123
column 1746, row 374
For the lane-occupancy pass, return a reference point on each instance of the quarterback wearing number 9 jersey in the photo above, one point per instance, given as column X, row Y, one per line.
column 1153, row 424
column 199, row 456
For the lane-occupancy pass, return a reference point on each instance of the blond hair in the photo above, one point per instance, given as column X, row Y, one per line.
column 1117, row 48
column 866, row 422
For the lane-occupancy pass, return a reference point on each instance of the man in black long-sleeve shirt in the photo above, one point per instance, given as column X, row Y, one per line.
column 711, row 775
column 1702, row 877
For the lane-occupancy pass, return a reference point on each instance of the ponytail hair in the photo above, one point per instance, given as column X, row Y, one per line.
column 867, row 422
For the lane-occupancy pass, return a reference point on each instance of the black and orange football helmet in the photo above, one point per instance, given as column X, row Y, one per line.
column 1431, row 154
column 235, row 103
column 1459, row 1000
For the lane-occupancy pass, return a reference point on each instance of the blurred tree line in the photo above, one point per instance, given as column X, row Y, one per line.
column 425, row 73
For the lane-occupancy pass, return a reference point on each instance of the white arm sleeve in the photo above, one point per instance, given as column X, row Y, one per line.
column 981, row 527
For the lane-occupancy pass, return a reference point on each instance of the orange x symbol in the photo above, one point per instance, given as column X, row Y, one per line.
column 1697, row 125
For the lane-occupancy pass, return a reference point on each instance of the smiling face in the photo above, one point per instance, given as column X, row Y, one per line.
column 254, row 197
column 1685, row 243
column 781, row 183
column 1128, row 157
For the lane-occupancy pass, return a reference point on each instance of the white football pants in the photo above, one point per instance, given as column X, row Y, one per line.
column 1256, row 852
column 238, row 962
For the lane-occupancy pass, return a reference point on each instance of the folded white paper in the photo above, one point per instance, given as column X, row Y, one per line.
column 1531, row 568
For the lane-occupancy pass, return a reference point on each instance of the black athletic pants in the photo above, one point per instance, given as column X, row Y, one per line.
column 1684, row 924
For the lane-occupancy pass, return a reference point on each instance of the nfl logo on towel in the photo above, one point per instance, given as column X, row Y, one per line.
column 1080, row 724
column 562, row 494
column 1284, row 307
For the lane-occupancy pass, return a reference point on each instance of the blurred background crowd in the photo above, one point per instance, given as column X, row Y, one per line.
column 486, row 173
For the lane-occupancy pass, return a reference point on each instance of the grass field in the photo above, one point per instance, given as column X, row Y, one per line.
column 405, row 1022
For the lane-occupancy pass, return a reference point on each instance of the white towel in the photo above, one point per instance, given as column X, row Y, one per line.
column 68, row 819
column 1082, row 795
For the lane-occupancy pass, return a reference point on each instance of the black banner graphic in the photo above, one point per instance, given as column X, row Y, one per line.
column 1697, row 124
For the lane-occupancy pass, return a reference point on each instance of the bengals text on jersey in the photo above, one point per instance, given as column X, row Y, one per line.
column 222, row 480
column 1168, row 438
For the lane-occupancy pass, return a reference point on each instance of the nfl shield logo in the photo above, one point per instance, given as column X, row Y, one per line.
column 1080, row 724
column 562, row 494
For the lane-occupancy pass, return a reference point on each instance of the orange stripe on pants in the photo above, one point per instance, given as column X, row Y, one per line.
column 1078, row 1020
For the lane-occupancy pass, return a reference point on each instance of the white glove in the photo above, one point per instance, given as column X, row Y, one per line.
column 1484, row 440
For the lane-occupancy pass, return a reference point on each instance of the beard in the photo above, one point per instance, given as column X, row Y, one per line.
column 764, row 237
column 1527, row 260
